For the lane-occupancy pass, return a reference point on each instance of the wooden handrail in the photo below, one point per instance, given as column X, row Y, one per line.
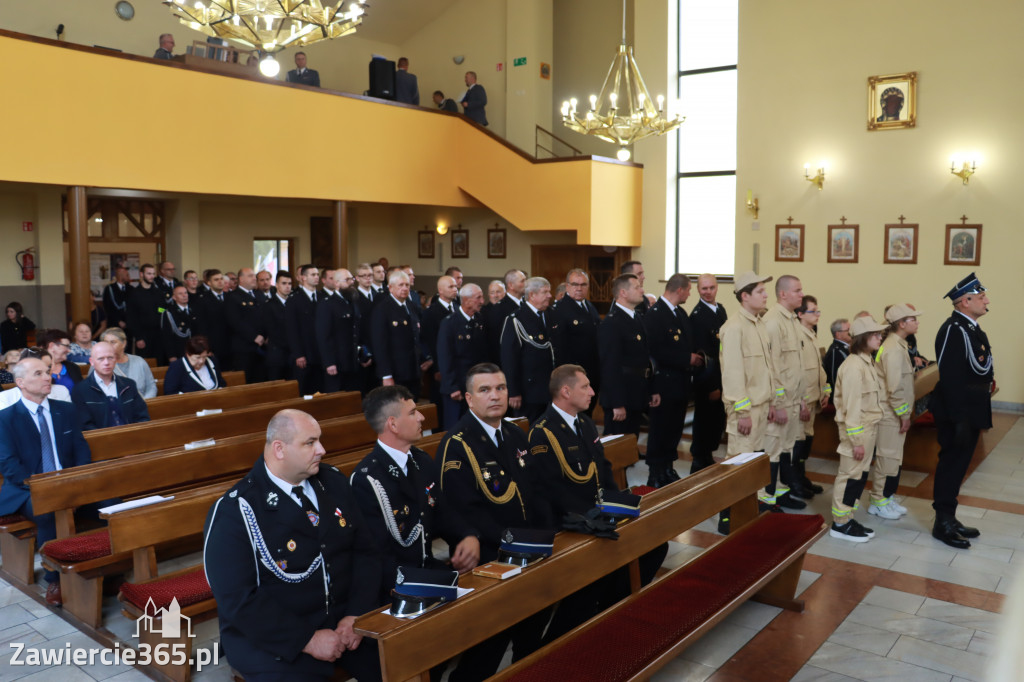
column 537, row 146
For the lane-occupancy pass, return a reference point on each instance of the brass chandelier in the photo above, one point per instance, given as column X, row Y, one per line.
column 270, row 25
column 624, row 111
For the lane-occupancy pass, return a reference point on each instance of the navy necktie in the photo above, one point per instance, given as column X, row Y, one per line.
column 44, row 440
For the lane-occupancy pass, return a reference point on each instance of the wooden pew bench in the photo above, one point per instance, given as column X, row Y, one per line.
column 232, row 397
column 410, row 648
column 84, row 559
column 131, row 439
column 139, row 531
column 760, row 561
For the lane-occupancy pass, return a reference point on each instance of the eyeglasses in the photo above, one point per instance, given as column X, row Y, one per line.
column 65, row 345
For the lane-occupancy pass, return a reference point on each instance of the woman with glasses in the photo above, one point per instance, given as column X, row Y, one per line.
column 816, row 391
column 58, row 344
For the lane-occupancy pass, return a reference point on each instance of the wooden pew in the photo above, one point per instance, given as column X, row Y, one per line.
column 408, row 649
column 118, row 441
column 229, row 398
column 158, row 372
column 167, row 472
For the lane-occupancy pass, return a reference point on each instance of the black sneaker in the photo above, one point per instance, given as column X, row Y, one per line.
column 787, row 501
column 723, row 525
column 850, row 531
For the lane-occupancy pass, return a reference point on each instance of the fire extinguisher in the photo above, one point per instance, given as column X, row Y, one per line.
column 27, row 262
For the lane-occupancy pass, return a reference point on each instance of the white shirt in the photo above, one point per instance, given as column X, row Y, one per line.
column 309, row 292
column 401, row 458
column 535, row 311
column 32, row 407
column 628, row 311
column 109, row 390
column 11, row 396
column 204, row 376
column 713, row 306
column 671, row 306
column 284, row 301
column 400, row 303
column 307, row 488
column 490, row 430
column 518, row 301
column 448, row 305
column 569, row 419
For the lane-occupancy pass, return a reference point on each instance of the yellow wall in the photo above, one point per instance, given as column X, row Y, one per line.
column 802, row 97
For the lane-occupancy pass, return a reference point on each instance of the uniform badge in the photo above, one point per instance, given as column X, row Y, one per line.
column 393, row 470
column 460, row 337
column 399, row 578
column 314, row 518
column 467, row 338
column 405, row 322
column 430, row 498
column 291, row 545
column 394, row 323
column 519, row 456
column 486, row 475
column 341, row 518
column 233, row 494
column 676, row 337
column 575, row 322
column 282, row 564
column 638, row 338
column 272, row 499
column 540, row 336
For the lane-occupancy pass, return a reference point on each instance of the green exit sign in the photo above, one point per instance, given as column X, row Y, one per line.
column 519, row 61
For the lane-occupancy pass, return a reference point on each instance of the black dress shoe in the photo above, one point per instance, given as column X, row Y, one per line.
column 945, row 531
column 672, row 474
column 799, row 490
column 965, row 531
column 658, row 477
column 787, row 501
column 812, row 486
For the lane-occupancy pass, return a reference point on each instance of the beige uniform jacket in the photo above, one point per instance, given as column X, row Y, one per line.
column 784, row 334
column 815, row 381
column 858, row 397
column 745, row 354
column 896, row 376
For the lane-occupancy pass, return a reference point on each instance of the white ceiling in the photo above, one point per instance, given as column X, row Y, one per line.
column 395, row 21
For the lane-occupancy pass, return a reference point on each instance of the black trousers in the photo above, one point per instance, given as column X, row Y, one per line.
column 250, row 362
column 310, row 377
column 453, row 411
column 631, row 424
column 363, row 664
column 666, row 428
column 708, row 427
column 342, row 381
column 957, row 441
column 277, row 365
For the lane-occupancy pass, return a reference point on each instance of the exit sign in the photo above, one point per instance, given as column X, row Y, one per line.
column 519, row 61
column 26, row 226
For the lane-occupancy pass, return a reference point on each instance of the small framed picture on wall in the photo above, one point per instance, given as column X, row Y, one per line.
column 963, row 244
column 460, row 243
column 892, row 101
column 843, row 243
column 789, row 242
column 426, row 244
column 496, row 243
column 901, row 243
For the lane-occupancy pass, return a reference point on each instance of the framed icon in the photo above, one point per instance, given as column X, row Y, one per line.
column 426, row 243
column 496, row 243
column 843, row 243
column 789, row 243
column 892, row 101
column 901, row 243
column 460, row 243
column 963, row 244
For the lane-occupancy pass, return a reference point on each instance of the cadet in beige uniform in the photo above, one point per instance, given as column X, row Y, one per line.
column 816, row 390
column 783, row 431
column 858, row 411
column 747, row 377
column 896, row 376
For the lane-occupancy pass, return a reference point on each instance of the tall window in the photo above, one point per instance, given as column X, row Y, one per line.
column 706, row 185
column 271, row 254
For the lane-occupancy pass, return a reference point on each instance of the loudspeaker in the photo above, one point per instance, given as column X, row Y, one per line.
column 382, row 78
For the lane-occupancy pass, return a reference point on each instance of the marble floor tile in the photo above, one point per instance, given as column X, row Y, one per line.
column 63, row 673
column 719, row 645
column 884, row 547
column 898, row 622
column 940, row 658
column 893, row 599
column 810, row 673
column 864, row 637
column 968, row 561
column 964, row 616
column 132, row 675
column 680, row 669
column 925, row 569
column 912, row 478
column 13, row 615
column 982, row 551
column 52, row 626
column 1003, row 517
column 754, row 615
column 1006, row 584
column 861, row 665
column 983, row 643
column 846, row 551
column 11, row 595
column 807, row 579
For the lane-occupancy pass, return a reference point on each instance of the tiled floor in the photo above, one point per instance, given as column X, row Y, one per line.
column 902, row 606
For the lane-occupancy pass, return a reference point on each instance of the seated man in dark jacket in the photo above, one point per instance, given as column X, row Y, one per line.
column 105, row 399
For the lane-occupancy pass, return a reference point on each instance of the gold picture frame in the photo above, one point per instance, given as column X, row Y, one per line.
column 892, row 101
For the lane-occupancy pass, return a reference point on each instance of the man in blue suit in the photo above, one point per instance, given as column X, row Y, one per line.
column 475, row 99
column 36, row 436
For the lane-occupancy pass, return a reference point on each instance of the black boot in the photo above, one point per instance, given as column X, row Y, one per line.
column 800, row 462
column 945, row 530
column 965, row 531
column 723, row 521
column 787, row 475
column 658, row 475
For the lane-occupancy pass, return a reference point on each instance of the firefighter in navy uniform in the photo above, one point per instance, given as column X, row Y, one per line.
column 706, row 319
column 528, row 350
column 177, row 324
column 485, row 474
column 961, row 403
column 577, row 326
column 396, row 487
column 292, row 564
column 461, row 343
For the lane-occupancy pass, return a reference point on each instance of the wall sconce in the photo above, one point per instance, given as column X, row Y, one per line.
column 818, row 179
column 442, row 229
column 966, row 170
column 752, row 204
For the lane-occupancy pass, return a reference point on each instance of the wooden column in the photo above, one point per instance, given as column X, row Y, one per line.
column 78, row 254
column 339, row 235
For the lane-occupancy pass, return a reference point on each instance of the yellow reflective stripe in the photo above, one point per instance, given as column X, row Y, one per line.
column 743, row 404
column 781, row 392
column 902, row 409
column 827, row 389
column 854, row 430
column 841, row 512
column 878, row 355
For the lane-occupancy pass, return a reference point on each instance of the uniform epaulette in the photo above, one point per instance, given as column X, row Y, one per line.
column 240, row 487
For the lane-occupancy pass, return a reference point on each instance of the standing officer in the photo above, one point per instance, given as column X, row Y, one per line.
column 396, row 487
column 145, row 307
column 443, row 305
column 274, row 328
column 706, row 319
column 292, row 564
column 837, row 352
column 485, row 473
column 635, row 267
column 243, row 316
column 528, row 351
column 747, row 376
column 961, row 403
column 577, row 326
column 395, row 332
column 670, row 340
column 790, row 407
column 177, row 324
column 115, row 298
column 337, row 335
column 300, row 313
column 366, row 298
column 515, row 282
column 461, row 344
column 626, row 386
column 165, row 280
column 212, row 318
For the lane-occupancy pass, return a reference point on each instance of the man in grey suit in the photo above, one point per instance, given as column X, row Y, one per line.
column 445, row 103
column 475, row 99
column 406, row 88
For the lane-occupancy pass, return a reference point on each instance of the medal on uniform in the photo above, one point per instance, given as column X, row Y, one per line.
column 520, row 454
column 430, row 498
column 486, row 475
column 282, row 564
column 341, row 519
column 314, row 518
column 638, row 338
column 291, row 545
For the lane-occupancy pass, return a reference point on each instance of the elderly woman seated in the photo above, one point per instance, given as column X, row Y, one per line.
column 81, row 344
column 131, row 366
column 13, row 395
column 196, row 371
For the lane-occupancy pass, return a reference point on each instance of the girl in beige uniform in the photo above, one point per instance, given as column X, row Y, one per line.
column 896, row 376
column 816, row 388
column 858, row 411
